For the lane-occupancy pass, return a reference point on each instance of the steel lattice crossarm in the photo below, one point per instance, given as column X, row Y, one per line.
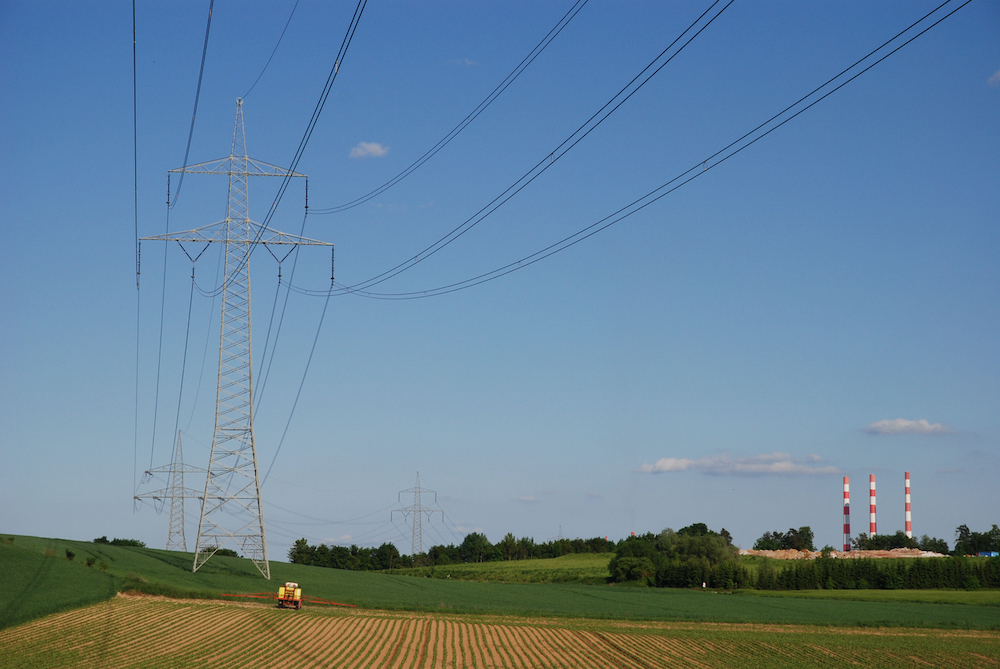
column 224, row 166
column 221, row 233
column 168, row 493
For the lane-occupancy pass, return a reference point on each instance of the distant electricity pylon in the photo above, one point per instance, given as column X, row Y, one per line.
column 231, row 506
column 416, row 512
column 175, row 492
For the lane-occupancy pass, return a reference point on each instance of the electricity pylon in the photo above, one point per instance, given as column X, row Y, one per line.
column 231, row 507
column 416, row 511
column 175, row 492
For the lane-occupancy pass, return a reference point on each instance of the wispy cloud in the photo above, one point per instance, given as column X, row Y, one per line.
column 527, row 498
column 903, row 426
column 463, row 61
column 767, row 464
column 995, row 79
column 369, row 149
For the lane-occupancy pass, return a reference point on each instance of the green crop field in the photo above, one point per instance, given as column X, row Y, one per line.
column 33, row 584
column 589, row 568
column 982, row 597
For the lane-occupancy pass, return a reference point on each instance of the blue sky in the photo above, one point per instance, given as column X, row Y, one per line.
column 823, row 304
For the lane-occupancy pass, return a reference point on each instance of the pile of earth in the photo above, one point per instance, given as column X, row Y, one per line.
column 812, row 555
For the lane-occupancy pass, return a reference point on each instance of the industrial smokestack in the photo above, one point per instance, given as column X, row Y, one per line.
column 847, row 514
column 871, row 506
column 909, row 521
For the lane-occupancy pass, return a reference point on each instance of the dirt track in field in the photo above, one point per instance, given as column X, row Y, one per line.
column 150, row 632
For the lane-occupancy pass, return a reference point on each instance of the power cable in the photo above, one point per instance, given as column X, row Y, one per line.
column 281, row 37
column 469, row 118
column 310, row 127
column 159, row 347
column 649, row 198
column 135, row 183
column 187, row 337
column 197, row 95
column 527, row 60
column 546, row 162
column 194, row 114
column 263, row 377
column 298, row 393
column 204, row 352
column 323, row 521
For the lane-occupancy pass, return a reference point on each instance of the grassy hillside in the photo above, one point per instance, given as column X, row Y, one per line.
column 583, row 568
column 37, row 579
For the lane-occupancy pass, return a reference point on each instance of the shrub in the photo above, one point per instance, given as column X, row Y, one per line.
column 632, row 569
column 70, row 555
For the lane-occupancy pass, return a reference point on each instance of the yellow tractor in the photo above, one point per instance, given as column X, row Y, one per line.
column 290, row 596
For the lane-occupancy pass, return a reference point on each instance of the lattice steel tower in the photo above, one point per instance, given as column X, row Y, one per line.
column 231, row 507
column 416, row 512
column 176, row 493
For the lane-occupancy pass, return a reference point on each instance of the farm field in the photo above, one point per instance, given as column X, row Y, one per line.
column 589, row 568
column 37, row 580
column 151, row 632
column 981, row 597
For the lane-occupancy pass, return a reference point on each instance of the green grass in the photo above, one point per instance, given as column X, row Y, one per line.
column 33, row 584
column 583, row 568
column 979, row 597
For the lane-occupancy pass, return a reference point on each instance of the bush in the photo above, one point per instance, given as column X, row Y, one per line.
column 70, row 555
column 799, row 540
column 215, row 550
column 632, row 569
column 90, row 561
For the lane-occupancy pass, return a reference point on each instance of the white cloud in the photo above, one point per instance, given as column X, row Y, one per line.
column 463, row 61
column 366, row 149
column 767, row 464
column 527, row 498
column 995, row 79
column 903, row 426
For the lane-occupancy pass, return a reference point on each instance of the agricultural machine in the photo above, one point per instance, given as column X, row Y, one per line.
column 289, row 597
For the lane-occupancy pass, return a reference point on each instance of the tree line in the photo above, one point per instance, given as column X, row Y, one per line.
column 696, row 556
column 826, row 573
column 474, row 548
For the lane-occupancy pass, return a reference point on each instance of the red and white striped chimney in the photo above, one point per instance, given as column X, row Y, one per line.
column 909, row 521
column 847, row 514
column 871, row 506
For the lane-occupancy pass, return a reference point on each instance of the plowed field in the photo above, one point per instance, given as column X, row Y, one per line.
column 154, row 632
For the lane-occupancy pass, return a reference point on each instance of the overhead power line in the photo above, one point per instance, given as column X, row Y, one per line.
column 469, row 118
column 280, row 37
column 695, row 171
column 310, row 127
column 197, row 96
column 170, row 205
column 598, row 117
